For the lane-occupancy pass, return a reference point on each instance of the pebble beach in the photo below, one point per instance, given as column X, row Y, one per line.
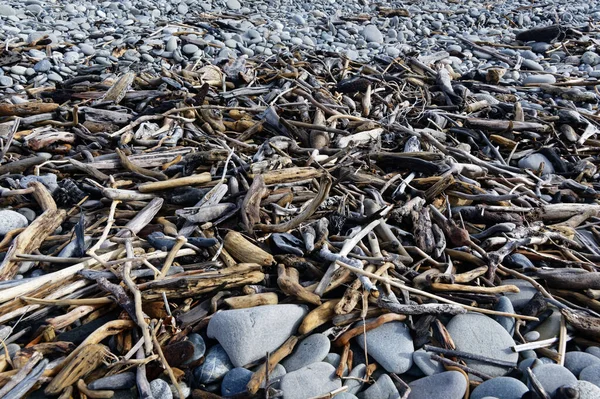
column 304, row 200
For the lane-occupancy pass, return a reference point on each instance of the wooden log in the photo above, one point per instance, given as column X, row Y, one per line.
column 174, row 183
column 244, row 251
column 27, row 109
column 249, row 301
column 290, row 175
column 318, row 316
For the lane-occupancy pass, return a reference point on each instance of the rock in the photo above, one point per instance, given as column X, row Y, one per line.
column 534, row 161
column 6, row 10
column 531, row 79
column 87, row 49
column 190, row 48
column 160, row 389
column 383, row 388
column 312, row 349
column 594, row 350
column 215, row 366
column 587, row 390
column 119, row 381
column 6, row 81
column 199, row 348
column 345, row 395
column 423, row 361
column 477, row 333
column 396, row 358
column 355, row 384
column 313, row 380
column 372, row 34
column 531, row 65
column 49, row 181
column 576, row 361
column 591, row 374
column 71, row 57
column 278, row 372
column 532, row 336
column 500, row 387
column 248, row 334
column 590, row 58
column 171, row 44
column 526, row 292
column 550, row 327
column 553, row 376
column 54, row 77
column 446, row 385
column 505, row 305
column 233, row 4
column 10, row 220
column 235, row 381
column 18, row 70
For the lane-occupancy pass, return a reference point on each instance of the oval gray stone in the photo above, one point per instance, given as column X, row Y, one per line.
column 248, row 334
column 160, row 389
column 215, row 366
column 372, row 34
column 477, row 333
column 500, row 387
column 553, row 376
column 591, row 374
column 313, row 380
column 355, row 384
column 526, row 292
column 312, row 349
column 541, row 78
column 119, row 381
column 576, row 361
column 534, row 161
column 446, row 385
column 587, row 390
column 235, row 381
column 344, row 395
column 383, row 388
column 423, row 361
column 395, row 358
column 10, row 220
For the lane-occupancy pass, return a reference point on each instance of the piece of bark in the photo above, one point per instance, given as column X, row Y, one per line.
column 250, row 211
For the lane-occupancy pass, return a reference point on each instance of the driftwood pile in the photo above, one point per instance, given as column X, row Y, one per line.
column 391, row 190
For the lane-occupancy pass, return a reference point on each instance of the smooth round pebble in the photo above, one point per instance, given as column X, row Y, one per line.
column 591, row 374
column 311, row 349
column 235, row 381
column 553, row 376
column 10, row 220
column 500, row 387
column 446, row 385
column 160, row 389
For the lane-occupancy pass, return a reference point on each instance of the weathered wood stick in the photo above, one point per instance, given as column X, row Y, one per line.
column 318, row 317
column 249, row 301
column 475, row 289
column 363, row 328
column 174, row 183
column 288, row 281
column 244, row 251
column 274, row 358
column 426, row 308
column 26, row 109
column 500, row 125
column 289, row 175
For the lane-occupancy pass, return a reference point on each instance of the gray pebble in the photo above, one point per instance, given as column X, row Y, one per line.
column 383, row 388
column 233, row 5
column 235, row 381
column 423, row 361
column 500, row 387
column 312, row 349
column 553, row 376
column 355, row 384
column 372, row 34
column 395, row 359
column 526, row 292
column 199, row 347
column 119, row 381
column 18, row 69
column 446, row 385
column 313, row 380
column 6, row 81
column 10, row 220
column 247, row 334
column 160, row 389
column 190, row 48
column 534, row 161
column 532, row 336
column 591, row 374
column 539, row 78
column 594, row 350
column 87, row 49
column 576, row 361
column 587, row 390
column 505, row 305
column 477, row 333
column 215, row 366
